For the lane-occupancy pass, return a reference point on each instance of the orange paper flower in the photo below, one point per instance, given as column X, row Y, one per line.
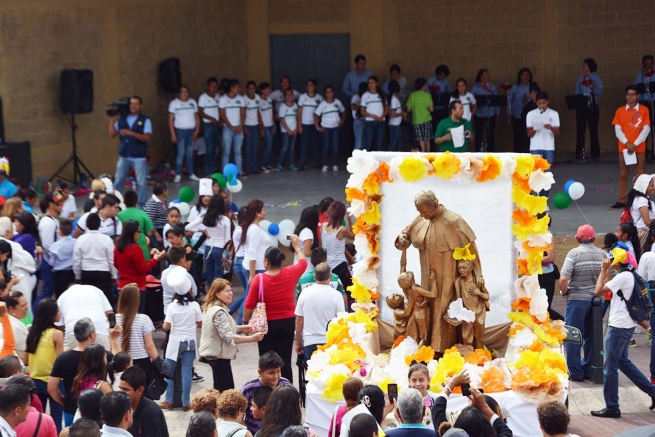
column 354, row 193
column 523, row 267
column 540, row 164
column 493, row 380
column 521, row 304
column 523, row 218
column 478, row 357
column 491, row 168
column 372, row 183
column 383, row 170
column 521, row 183
column 424, row 354
column 537, row 346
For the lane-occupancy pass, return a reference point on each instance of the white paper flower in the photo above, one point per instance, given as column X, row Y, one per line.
column 509, row 166
column 367, row 307
column 432, row 367
column 357, row 332
column 474, row 371
column 465, row 174
column 523, row 339
column 361, row 163
column 540, row 240
column 367, row 277
column 357, row 208
column 457, row 311
column 355, row 181
column 394, row 168
column 361, row 245
column 541, row 181
column 539, row 305
column 527, row 286
column 406, row 348
column 319, row 359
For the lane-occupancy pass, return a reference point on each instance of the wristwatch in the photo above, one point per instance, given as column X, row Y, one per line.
column 563, row 294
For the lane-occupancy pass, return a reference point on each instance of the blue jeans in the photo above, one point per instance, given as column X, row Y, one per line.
column 232, row 140
column 211, row 134
column 288, row 142
column 617, row 343
column 252, row 144
column 331, row 144
column 548, row 155
column 56, row 409
column 652, row 345
column 578, row 314
column 187, row 354
column 48, row 280
column 246, row 291
column 213, row 264
column 374, row 129
column 309, row 133
column 140, row 167
column 358, row 130
column 394, row 138
column 184, row 149
column 243, row 278
column 268, row 146
column 68, row 419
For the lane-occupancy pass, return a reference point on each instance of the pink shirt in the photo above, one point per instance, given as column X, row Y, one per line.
column 27, row 428
column 341, row 411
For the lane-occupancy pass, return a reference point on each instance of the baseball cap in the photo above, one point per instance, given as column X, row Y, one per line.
column 619, row 256
column 586, row 232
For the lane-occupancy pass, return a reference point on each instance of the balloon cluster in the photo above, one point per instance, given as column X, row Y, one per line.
column 228, row 179
column 278, row 232
column 573, row 190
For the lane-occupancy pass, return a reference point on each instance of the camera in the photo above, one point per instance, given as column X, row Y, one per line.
column 119, row 107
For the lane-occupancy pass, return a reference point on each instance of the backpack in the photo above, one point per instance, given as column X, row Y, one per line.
column 639, row 305
column 228, row 256
column 626, row 216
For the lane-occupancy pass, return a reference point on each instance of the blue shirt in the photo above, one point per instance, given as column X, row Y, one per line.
column 353, row 79
column 585, row 90
column 61, row 253
column 641, row 78
column 516, row 98
column 7, row 189
column 483, row 110
column 410, row 430
column 443, row 84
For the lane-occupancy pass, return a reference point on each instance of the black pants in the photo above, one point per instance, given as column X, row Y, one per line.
column 583, row 117
column 482, row 128
column 63, row 280
column 547, row 282
column 222, row 372
column 279, row 339
column 146, row 365
column 344, row 276
column 101, row 280
column 521, row 142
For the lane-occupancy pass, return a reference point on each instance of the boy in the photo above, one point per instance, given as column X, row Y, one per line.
column 157, row 211
column 176, row 257
column 319, row 255
column 543, row 126
column 259, row 401
column 175, row 238
column 421, row 106
column 61, row 257
column 270, row 374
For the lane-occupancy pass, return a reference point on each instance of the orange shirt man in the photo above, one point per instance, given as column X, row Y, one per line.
column 632, row 126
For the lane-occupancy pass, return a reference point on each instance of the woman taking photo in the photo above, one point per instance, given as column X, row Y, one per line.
column 43, row 345
column 18, row 308
column 640, row 206
column 375, row 107
column 184, row 125
column 486, row 115
column 333, row 240
column 518, row 96
column 282, row 411
column 306, row 232
column 26, row 232
column 219, row 338
column 277, row 286
column 92, row 371
column 466, row 98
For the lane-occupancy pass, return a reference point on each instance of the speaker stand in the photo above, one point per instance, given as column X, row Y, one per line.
column 74, row 159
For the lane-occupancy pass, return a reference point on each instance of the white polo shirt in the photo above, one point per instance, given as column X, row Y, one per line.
column 309, row 105
column 252, row 106
column 277, row 97
column 290, row 116
column 81, row 301
column 317, row 305
column 209, row 105
column 184, row 112
column 395, row 105
column 543, row 139
column 266, row 110
column 232, row 107
column 373, row 104
column 330, row 113
column 110, row 226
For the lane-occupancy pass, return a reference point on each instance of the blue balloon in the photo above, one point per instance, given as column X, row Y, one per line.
column 567, row 185
column 273, row 229
column 232, row 181
column 234, row 207
column 177, row 201
column 230, row 170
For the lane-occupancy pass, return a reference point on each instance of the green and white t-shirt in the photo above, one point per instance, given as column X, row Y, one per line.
column 309, row 105
column 468, row 102
column 330, row 113
column 252, row 106
column 232, row 107
column 209, row 105
column 395, row 105
column 184, row 112
column 373, row 104
column 308, row 279
column 266, row 110
column 290, row 116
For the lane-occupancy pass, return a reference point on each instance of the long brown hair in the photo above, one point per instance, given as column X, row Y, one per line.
column 254, row 207
column 128, row 307
column 211, row 298
column 282, row 411
column 336, row 212
column 92, row 366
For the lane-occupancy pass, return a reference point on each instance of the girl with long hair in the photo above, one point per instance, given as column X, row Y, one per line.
column 375, row 107
column 306, row 232
column 11, row 207
column 465, row 97
column 518, row 96
column 282, row 411
column 333, row 240
column 641, row 207
column 351, row 388
column 92, row 371
column 627, row 233
column 266, row 124
column 26, row 232
column 237, row 266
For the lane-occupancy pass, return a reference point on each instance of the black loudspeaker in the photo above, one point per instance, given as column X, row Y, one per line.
column 76, row 91
column 170, row 75
column 20, row 161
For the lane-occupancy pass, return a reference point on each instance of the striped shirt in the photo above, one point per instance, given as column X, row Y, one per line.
column 141, row 325
column 582, row 266
column 248, row 390
column 334, row 247
column 157, row 211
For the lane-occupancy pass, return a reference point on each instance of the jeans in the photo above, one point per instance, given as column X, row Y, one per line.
column 231, row 140
column 252, row 144
column 617, row 343
column 331, row 144
column 548, row 155
column 652, row 345
column 140, row 167
column 238, row 269
column 268, row 146
column 56, row 409
column 184, row 149
column 213, row 264
column 309, row 133
column 358, row 130
column 48, row 280
column 68, row 419
column 279, row 338
column 288, row 141
column 394, row 138
column 211, row 142
column 373, row 129
column 578, row 315
column 246, row 290
column 186, row 355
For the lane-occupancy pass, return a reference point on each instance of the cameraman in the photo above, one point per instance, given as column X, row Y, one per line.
column 135, row 131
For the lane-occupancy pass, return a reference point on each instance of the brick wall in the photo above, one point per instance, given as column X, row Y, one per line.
column 308, row 11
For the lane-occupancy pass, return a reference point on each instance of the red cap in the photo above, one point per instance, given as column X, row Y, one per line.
column 586, row 232
column 152, row 282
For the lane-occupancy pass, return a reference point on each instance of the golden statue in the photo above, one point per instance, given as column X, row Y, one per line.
column 475, row 297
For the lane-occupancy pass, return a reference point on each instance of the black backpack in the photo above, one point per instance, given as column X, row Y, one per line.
column 639, row 305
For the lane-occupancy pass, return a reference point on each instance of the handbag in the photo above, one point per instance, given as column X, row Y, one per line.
column 258, row 321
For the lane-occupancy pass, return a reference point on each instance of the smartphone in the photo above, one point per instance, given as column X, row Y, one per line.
column 609, row 255
column 392, row 390
column 466, row 389
column 288, row 237
column 112, row 320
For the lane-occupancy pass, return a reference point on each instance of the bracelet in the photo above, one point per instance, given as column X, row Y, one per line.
column 449, row 390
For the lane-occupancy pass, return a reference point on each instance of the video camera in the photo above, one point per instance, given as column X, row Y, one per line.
column 119, row 107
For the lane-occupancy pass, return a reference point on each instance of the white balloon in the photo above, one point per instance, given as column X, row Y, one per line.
column 273, row 242
column 286, row 228
column 235, row 188
column 264, row 224
column 283, row 240
column 184, row 208
column 576, row 190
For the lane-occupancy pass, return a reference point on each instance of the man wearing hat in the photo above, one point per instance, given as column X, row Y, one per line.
column 36, row 423
column 577, row 285
column 619, row 333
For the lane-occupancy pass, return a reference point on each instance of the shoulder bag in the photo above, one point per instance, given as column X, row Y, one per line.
column 258, row 321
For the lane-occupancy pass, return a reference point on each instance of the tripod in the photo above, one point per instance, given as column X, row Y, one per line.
column 75, row 159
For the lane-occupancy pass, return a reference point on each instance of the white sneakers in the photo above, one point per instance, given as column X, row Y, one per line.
column 177, row 179
column 324, row 169
column 193, row 177
column 335, row 168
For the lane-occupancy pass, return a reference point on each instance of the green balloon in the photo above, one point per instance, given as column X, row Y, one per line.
column 561, row 200
column 220, row 179
column 186, row 194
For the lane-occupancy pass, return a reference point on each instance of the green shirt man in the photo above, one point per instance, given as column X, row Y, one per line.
column 308, row 279
column 443, row 137
column 145, row 225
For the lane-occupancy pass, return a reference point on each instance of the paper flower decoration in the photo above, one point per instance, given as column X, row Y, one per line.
column 446, row 165
column 493, row 380
column 372, row 215
column 540, row 163
column 509, row 167
column 368, row 308
column 457, row 311
column 423, row 355
column 357, row 207
column 527, row 286
column 491, row 168
column 362, row 317
column 413, row 169
column 357, row 332
column 450, row 364
column 384, row 384
column 371, row 184
column 521, row 304
column 541, row 181
column 384, row 172
column 478, row 357
column 355, row 181
column 533, row 204
column 524, row 164
column 334, row 387
column 465, row 174
column 361, row 245
column 539, row 226
column 365, row 275
column 359, row 292
column 523, row 338
column 463, row 253
column 355, row 193
column 362, row 163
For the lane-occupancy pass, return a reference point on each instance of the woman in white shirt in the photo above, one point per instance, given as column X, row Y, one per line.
column 395, row 116
column 252, row 128
column 375, row 107
column 266, row 125
column 184, row 125
column 358, row 120
column 196, row 212
column 641, row 208
column 307, row 104
column 288, row 114
column 328, row 119
column 306, row 232
column 217, row 228
column 467, row 99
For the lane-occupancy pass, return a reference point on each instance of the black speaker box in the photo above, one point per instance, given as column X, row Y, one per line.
column 20, row 161
column 170, row 75
column 76, row 91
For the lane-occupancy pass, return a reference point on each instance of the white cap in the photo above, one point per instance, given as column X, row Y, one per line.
column 205, row 187
column 178, row 280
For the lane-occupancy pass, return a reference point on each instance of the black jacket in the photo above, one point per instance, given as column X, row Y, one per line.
column 439, row 416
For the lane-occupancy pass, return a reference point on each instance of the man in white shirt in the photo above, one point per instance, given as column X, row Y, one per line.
column 232, row 108
column 543, row 127
column 15, row 404
column 208, row 111
column 317, row 305
column 619, row 333
column 81, row 301
column 184, row 125
column 110, row 225
column 116, row 410
column 69, row 208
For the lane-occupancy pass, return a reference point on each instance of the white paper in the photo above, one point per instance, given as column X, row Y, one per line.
column 539, row 121
column 629, row 158
column 205, row 187
column 458, row 136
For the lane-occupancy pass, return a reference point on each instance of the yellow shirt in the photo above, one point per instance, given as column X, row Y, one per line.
column 42, row 360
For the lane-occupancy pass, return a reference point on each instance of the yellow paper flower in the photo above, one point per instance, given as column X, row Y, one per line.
column 521, row 318
column 371, row 184
column 372, row 216
column 384, row 384
column 336, row 333
column 360, row 316
column 491, row 168
column 546, row 337
column 518, row 195
column 524, row 165
column 347, row 354
column 446, row 165
column 533, row 204
column 463, row 253
column 359, row 292
column 424, row 354
column 334, row 387
column 539, row 227
column 412, row 169
column 534, row 262
column 450, row 364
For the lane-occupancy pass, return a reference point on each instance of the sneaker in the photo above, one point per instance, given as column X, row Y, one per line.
column 264, row 170
column 293, row 168
column 193, row 177
column 278, row 169
column 166, row 405
column 244, row 175
column 177, row 179
column 324, row 169
column 197, row 378
column 335, row 168
column 633, row 343
column 648, row 338
column 618, row 205
column 269, row 168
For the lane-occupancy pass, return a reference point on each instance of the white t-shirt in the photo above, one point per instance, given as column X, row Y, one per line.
column 305, row 234
column 330, row 113
column 356, row 100
column 209, row 106
column 619, row 315
column 373, row 104
column 395, row 105
column 637, row 219
column 240, row 249
column 184, row 112
column 290, row 115
column 277, row 97
column 69, row 207
column 543, row 138
column 183, row 320
column 232, row 107
column 318, row 304
column 309, row 105
column 110, row 226
column 252, row 106
column 257, row 241
column 81, row 301
column 468, row 101
column 266, row 110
